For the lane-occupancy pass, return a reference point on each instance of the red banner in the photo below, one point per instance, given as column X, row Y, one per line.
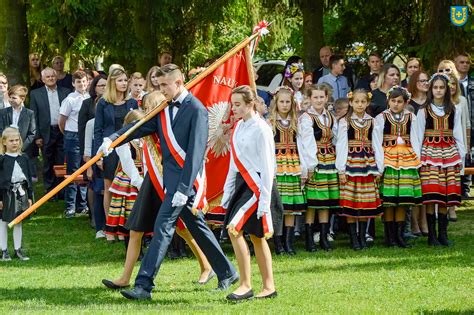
column 214, row 92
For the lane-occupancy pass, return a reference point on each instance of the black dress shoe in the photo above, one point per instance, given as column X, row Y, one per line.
column 224, row 284
column 237, row 297
column 111, row 285
column 268, row 296
column 137, row 293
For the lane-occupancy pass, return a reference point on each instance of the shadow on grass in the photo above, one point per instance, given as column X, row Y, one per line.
column 81, row 296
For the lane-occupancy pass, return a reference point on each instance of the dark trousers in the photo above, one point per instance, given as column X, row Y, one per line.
column 99, row 213
column 53, row 154
column 165, row 225
column 75, row 195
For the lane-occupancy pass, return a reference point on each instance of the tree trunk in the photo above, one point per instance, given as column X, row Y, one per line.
column 14, row 42
column 313, row 32
column 145, row 30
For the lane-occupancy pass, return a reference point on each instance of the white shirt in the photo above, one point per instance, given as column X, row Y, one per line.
column 70, row 108
column 380, row 124
column 457, row 130
column 53, row 100
column 307, row 145
column 254, row 138
column 89, row 137
column 342, row 145
column 16, row 115
column 465, row 117
column 180, row 100
column 17, row 175
column 128, row 164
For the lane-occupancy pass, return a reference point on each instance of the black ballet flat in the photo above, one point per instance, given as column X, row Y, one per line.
column 109, row 284
column 236, row 297
column 274, row 294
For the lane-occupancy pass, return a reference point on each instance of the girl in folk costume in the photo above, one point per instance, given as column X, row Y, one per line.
column 294, row 79
column 142, row 219
column 283, row 121
column 441, row 150
column 16, row 190
column 247, row 192
column 125, row 185
column 400, row 187
column 316, row 132
column 360, row 164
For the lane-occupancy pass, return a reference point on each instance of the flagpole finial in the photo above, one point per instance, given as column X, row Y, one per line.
column 262, row 27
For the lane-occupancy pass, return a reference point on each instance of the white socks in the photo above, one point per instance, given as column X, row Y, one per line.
column 17, row 235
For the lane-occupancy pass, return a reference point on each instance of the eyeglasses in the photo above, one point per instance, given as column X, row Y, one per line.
column 448, row 70
column 4, row 82
column 424, row 81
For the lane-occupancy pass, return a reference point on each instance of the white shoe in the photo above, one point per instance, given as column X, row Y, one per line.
column 368, row 238
column 330, row 237
column 99, row 234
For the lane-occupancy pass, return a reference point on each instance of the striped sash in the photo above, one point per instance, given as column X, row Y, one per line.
column 200, row 201
column 252, row 179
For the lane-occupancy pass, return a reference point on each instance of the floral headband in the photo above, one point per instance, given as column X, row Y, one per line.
column 293, row 68
column 350, row 95
column 283, row 87
column 397, row 87
column 438, row 75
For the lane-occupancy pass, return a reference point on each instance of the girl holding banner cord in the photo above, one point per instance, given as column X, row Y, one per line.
column 247, row 193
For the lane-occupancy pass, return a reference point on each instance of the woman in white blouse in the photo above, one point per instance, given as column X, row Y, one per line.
column 247, row 193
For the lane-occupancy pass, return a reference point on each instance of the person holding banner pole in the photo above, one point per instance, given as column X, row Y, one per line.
column 183, row 131
column 247, row 193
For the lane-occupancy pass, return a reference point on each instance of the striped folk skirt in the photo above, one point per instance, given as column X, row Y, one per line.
column 322, row 190
column 401, row 185
column 124, row 195
column 291, row 194
column 440, row 172
column 359, row 195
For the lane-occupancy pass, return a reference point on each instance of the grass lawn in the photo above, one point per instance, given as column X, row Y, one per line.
column 67, row 265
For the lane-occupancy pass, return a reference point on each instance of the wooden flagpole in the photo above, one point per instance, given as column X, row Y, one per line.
column 244, row 43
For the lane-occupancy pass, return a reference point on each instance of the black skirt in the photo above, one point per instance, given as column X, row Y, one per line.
column 242, row 194
column 13, row 203
column 110, row 165
column 145, row 209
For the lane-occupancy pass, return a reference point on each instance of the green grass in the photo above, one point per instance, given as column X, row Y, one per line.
column 67, row 265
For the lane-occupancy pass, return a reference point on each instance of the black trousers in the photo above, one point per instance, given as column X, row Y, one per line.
column 164, row 229
column 53, row 154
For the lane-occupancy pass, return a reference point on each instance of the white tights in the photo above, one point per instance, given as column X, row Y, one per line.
column 17, row 235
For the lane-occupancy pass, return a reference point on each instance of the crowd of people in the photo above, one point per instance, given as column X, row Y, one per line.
column 335, row 153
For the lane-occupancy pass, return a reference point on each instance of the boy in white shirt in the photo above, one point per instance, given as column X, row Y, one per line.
column 75, row 195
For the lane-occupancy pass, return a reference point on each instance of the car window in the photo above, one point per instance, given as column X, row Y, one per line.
column 267, row 72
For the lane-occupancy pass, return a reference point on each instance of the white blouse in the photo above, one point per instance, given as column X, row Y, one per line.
column 342, row 145
column 254, row 138
column 457, row 130
column 307, row 145
column 379, row 126
column 128, row 165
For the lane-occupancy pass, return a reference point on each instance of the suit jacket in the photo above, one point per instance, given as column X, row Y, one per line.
column 104, row 124
column 86, row 113
column 26, row 125
column 190, row 128
column 6, row 170
column 39, row 103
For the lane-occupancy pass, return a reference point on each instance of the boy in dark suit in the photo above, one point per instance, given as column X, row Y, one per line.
column 19, row 116
column 185, row 122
